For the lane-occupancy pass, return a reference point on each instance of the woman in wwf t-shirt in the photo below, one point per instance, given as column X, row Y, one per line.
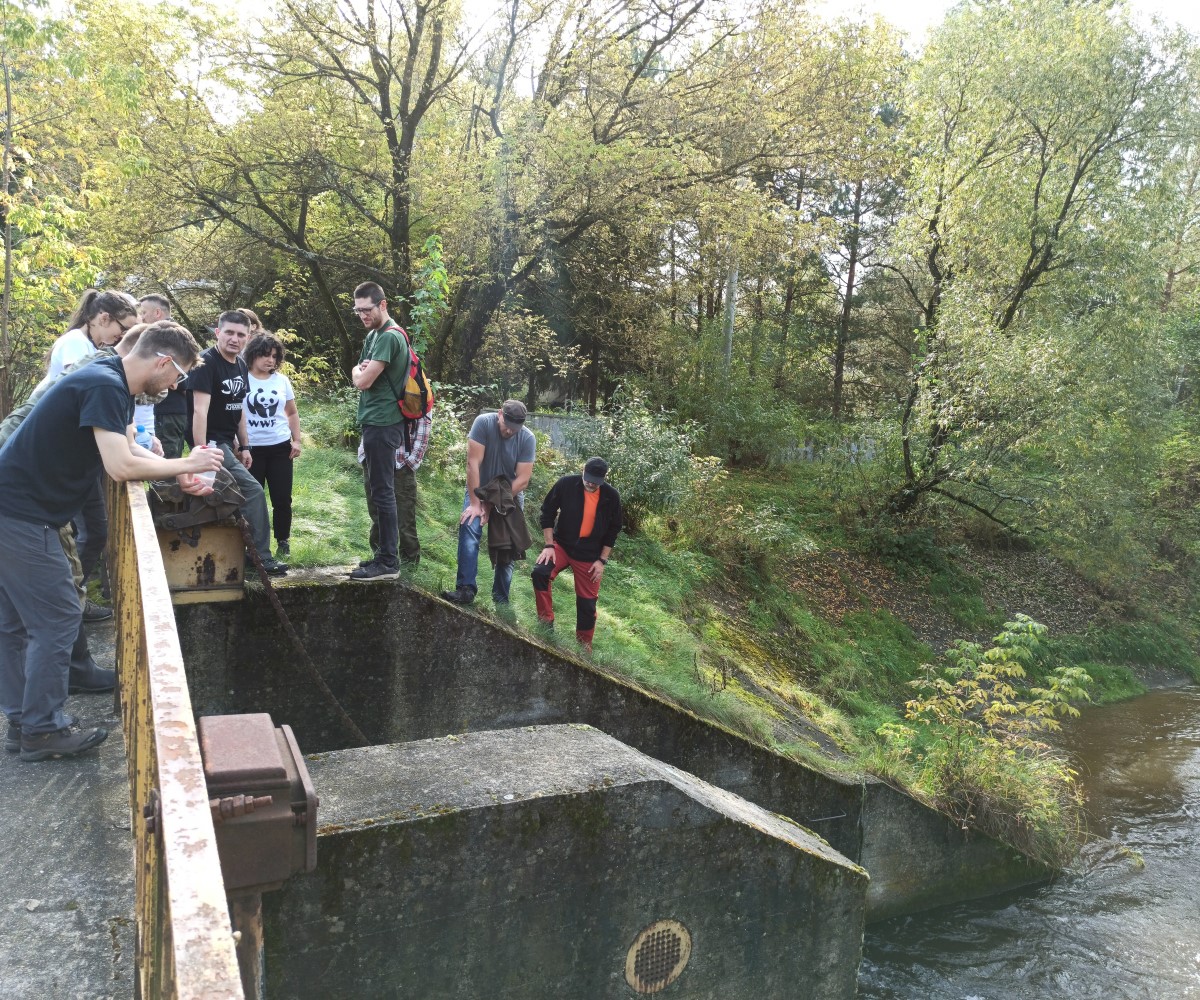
column 273, row 424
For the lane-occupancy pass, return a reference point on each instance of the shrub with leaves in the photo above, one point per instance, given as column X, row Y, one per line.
column 975, row 748
column 650, row 457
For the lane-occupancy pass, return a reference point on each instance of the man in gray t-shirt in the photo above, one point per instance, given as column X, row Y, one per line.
column 499, row 445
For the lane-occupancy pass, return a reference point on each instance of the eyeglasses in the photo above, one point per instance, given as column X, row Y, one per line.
column 124, row 328
column 183, row 376
column 364, row 310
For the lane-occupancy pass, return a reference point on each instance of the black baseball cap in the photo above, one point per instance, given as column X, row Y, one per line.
column 595, row 470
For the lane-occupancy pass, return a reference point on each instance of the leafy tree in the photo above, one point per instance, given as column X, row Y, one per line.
column 1036, row 126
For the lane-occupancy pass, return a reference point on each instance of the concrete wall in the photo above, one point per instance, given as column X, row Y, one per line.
column 524, row 863
column 408, row 666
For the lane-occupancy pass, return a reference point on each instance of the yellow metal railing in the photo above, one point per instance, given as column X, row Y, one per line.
column 185, row 945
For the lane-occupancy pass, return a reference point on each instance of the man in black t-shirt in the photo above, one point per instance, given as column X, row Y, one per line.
column 218, row 391
column 46, row 470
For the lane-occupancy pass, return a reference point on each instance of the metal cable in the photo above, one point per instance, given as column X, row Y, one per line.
column 305, row 659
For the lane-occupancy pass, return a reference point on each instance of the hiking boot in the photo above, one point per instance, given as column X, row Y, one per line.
column 375, row 571
column 463, row 595
column 93, row 612
column 65, row 742
column 12, row 742
column 282, row 550
column 97, row 680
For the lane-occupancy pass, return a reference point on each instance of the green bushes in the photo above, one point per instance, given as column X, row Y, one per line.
column 972, row 744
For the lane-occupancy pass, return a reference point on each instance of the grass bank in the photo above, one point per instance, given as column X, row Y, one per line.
column 766, row 607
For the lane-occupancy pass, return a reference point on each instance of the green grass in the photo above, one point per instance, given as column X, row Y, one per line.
column 698, row 610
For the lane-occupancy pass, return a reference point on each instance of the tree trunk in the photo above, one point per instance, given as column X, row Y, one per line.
column 731, row 282
column 843, row 328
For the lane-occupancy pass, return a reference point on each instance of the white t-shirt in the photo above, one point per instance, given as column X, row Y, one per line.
column 266, row 420
column 143, row 416
column 72, row 346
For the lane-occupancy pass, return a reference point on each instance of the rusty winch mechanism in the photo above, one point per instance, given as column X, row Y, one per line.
column 201, row 543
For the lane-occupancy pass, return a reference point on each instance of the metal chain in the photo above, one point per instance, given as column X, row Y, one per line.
column 305, row 659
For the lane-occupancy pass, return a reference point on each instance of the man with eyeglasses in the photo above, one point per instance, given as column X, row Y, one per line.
column 379, row 377
column 219, row 391
column 47, row 467
column 581, row 518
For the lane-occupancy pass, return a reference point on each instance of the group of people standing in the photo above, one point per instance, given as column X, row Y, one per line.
column 580, row 517
column 127, row 388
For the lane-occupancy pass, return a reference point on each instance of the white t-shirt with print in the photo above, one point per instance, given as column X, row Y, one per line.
column 266, row 420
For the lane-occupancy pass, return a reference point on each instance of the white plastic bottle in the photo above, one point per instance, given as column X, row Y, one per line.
column 208, row 478
column 143, row 438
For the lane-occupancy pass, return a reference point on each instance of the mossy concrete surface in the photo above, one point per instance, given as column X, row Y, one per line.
column 525, row 863
column 408, row 666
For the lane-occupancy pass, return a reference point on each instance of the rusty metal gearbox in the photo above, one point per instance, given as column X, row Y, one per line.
column 262, row 800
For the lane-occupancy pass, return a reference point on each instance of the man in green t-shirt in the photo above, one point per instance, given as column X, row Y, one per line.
column 379, row 377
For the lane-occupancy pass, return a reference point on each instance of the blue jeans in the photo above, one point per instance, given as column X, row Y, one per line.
column 39, row 623
column 469, row 536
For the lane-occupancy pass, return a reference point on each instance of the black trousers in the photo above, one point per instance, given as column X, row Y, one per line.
column 271, row 465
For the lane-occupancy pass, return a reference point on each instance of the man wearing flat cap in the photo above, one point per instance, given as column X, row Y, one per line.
column 499, row 446
column 581, row 518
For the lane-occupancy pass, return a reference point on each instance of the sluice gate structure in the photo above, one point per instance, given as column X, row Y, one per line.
column 522, row 824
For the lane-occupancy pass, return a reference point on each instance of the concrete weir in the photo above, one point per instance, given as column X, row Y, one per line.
column 408, row 667
column 555, row 862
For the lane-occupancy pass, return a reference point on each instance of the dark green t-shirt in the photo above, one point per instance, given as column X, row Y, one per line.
column 377, row 405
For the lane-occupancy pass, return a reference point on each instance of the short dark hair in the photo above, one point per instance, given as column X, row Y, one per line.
column 233, row 316
column 264, row 345
column 155, row 299
column 370, row 290
column 169, row 338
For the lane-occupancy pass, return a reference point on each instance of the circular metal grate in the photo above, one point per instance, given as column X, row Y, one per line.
column 657, row 956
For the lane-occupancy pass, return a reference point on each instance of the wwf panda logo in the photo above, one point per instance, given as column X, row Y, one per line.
column 264, row 403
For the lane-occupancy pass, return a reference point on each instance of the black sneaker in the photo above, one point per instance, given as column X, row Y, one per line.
column 93, row 612
column 463, row 595
column 98, row 680
column 282, row 550
column 273, row 567
column 375, row 571
column 65, row 742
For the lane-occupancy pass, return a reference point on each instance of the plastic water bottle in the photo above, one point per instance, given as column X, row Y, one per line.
column 143, row 438
column 208, row 478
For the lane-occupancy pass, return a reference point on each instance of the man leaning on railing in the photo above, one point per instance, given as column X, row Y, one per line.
column 46, row 469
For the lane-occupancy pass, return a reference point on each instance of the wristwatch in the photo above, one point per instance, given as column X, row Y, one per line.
column 243, row 447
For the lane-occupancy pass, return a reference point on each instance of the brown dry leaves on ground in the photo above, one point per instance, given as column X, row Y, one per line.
column 835, row 583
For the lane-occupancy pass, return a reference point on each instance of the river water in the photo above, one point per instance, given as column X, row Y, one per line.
column 1110, row 929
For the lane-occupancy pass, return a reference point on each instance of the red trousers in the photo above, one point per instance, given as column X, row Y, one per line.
column 586, row 592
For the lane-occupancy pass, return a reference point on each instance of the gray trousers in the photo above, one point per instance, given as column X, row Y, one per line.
column 254, row 510
column 40, row 617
